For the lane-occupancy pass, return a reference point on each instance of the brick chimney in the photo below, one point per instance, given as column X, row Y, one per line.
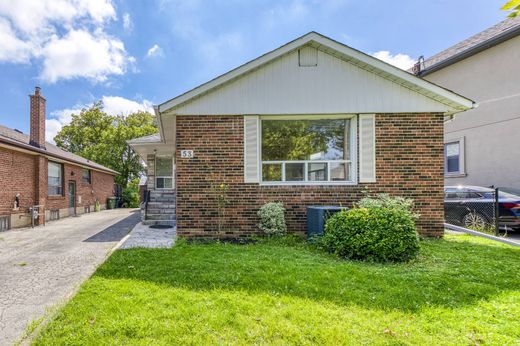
column 37, row 133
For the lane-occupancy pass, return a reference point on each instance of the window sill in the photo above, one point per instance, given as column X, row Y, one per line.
column 309, row 183
column 55, row 197
column 454, row 175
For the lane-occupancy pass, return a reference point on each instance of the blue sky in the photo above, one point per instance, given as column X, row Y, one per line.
column 133, row 54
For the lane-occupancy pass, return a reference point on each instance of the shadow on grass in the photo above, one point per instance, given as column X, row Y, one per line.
column 449, row 273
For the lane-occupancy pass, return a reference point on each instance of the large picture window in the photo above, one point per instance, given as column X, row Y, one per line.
column 55, row 179
column 306, row 151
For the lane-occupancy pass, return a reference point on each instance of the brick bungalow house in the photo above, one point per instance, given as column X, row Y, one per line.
column 37, row 173
column 313, row 122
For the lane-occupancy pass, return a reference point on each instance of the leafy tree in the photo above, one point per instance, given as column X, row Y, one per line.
column 100, row 137
column 513, row 6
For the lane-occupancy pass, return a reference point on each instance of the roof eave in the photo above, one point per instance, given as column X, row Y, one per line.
column 496, row 40
column 29, row 147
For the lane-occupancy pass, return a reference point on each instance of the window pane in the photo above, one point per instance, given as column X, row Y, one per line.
column 272, row 172
column 160, row 183
column 326, row 139
column 168, row 183
column 317, row 171
column 54, row 179
column 294, row 171
column 452, row 164
column 452, row 149
column 339, row 171
column 164, row 166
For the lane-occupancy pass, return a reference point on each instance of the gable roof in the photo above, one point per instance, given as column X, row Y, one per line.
column 454, row 103
column 488, row 38
column 22, row 140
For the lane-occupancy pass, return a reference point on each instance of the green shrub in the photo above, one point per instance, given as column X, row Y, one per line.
column 379, row 230
column 272, row 219
column 130, row 195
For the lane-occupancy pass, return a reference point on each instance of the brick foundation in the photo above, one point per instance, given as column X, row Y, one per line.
column 409, row 163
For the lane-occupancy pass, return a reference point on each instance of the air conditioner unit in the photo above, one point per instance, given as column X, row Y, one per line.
column 316, row 218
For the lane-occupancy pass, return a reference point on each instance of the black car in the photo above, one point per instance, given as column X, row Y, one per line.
column 474, row 207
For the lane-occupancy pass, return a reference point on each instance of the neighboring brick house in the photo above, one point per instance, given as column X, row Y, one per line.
column 37, row 173
column 313, row 122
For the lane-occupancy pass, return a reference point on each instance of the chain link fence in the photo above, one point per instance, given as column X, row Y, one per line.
column 478, row 210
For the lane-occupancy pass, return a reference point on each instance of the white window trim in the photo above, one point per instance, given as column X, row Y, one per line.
column 62, row 182
column 462, row 158
column 353, row 152
column 164, row 176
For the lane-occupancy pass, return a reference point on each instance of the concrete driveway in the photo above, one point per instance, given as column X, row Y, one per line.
column 43, row 266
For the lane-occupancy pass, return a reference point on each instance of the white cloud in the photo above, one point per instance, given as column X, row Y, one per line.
column 117, row 105
column 82, row 54
column 68, row 36
column 112, row 105
column 127, row 22
column 12, row 48
column 155, row 50
column 403, row 61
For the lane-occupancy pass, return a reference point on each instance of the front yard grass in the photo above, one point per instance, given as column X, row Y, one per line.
column 461, row 291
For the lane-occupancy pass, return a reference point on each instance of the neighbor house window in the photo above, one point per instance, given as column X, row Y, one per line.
column 307, row 151
column 86, row 176
column 454, row 157
column 55, row 179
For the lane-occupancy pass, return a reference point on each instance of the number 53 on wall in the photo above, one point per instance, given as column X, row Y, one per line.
column 186, row 154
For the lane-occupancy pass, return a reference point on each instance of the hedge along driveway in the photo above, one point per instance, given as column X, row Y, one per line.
column 461, row 290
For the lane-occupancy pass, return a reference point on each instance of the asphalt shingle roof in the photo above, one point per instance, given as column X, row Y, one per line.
column 474, row 41
column 15, row 137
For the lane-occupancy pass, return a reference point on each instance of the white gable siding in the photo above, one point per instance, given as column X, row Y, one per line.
column 333, row 86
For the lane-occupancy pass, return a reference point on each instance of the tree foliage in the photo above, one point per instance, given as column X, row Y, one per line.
column 100, row 137
column 513, row 7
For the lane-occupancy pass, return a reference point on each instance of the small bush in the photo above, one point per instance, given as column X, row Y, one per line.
column 272, row 219
column 379, row 230
column 130, row 195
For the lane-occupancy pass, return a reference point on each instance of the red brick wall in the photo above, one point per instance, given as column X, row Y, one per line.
column 19, row 173
column 409, row 162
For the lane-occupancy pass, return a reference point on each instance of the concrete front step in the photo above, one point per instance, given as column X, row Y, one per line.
column 161, row 205
column 165, row 200
column 160, row 216
column 159, row 222
column 160, row 211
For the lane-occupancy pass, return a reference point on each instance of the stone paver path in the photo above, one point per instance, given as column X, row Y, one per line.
column 43, row 266
column 144, row 236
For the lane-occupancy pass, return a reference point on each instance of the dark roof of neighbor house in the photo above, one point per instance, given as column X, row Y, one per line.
column 488, row 38
column 21, row 140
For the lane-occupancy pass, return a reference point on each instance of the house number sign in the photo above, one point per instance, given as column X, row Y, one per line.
column 186, row 154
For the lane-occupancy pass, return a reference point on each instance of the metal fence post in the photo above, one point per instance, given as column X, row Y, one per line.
column 497, row 224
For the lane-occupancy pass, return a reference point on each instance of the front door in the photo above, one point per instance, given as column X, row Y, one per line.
column 72, row 198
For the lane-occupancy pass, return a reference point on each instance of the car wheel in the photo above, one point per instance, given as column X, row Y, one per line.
column 474, row 220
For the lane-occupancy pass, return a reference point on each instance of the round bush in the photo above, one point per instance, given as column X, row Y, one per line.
column 377, row 233
column 272, row 219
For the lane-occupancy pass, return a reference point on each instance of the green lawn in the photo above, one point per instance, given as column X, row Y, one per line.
column 461, row 291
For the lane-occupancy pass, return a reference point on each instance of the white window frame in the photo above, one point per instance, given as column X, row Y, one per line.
column 62, row 179
column 352, row 145
column 462, row 161
column 164, row 176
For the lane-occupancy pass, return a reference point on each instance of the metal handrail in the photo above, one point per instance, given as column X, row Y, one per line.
column 146, row 200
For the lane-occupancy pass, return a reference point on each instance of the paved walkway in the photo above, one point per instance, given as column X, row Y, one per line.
column 144, row 236
column 43, row 266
